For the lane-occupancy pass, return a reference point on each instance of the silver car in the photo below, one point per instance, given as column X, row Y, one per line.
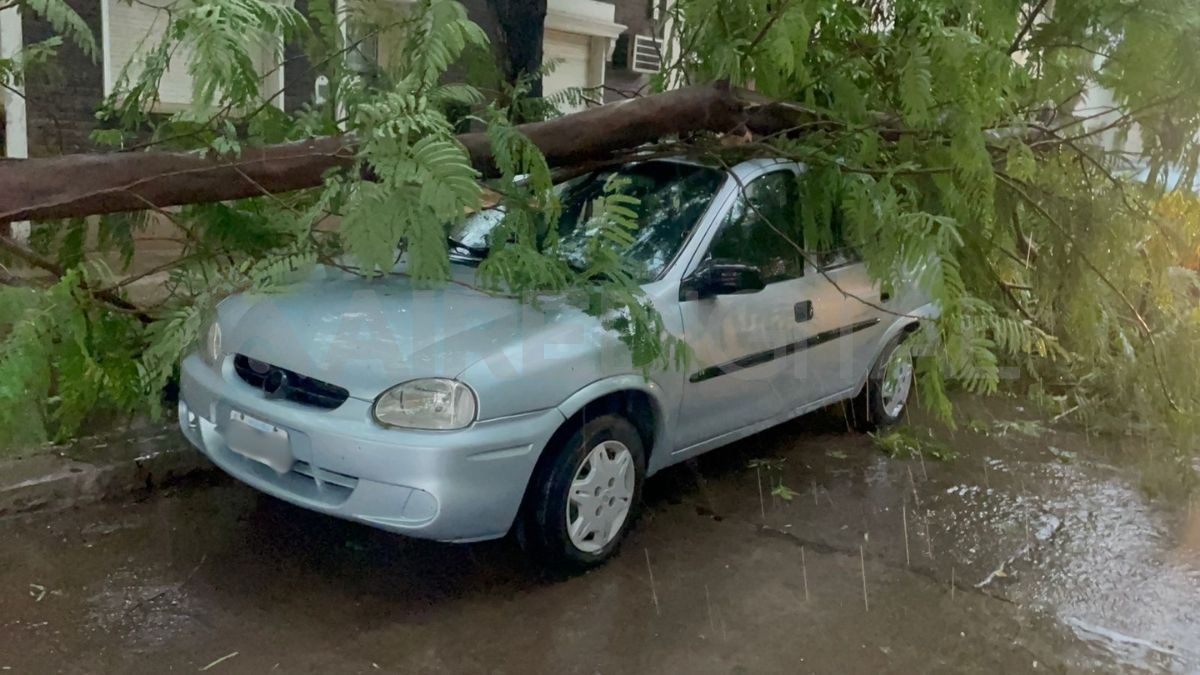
column 458, row 415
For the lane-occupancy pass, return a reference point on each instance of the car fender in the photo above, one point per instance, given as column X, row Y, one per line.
column 627, row 382
column 900, row 323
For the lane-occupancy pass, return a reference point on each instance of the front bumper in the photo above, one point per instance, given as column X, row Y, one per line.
column 463, row 485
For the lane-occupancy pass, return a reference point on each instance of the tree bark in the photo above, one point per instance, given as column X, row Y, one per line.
column 81, row 185
column 522, row 24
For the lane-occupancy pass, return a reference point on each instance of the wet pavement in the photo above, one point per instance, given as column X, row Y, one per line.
column 802, row 549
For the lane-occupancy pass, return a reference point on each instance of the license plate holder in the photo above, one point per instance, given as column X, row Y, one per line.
column 260, row 441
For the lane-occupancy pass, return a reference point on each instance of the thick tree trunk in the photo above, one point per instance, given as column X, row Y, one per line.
column 81, row 185
column 522, row 25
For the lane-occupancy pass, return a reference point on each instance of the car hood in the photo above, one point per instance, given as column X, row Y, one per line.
column 369, row 334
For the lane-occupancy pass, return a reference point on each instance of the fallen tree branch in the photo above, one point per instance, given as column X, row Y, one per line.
column 80, row 185
column 89, row 184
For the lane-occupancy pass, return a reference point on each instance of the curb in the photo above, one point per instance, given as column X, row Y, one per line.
column 96, row 468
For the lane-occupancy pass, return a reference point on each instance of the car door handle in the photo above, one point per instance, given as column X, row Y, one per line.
column 803, row 311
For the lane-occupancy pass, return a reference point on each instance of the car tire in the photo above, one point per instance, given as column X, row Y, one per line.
column 884, row 398
column 600, row 467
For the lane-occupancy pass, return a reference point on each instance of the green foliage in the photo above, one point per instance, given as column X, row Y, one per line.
column 907, row 443
column 55, row 337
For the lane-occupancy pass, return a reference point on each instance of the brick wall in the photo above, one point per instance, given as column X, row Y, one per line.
column 62, row 96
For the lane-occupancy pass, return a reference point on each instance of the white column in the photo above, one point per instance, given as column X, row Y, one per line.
column 670, row 45
column 599, row 49
column 16, row 138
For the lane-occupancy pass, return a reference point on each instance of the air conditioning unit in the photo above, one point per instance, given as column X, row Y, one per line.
column 639, row 53
column 647, row 54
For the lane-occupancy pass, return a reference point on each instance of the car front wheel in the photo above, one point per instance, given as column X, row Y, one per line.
column 586, row 495
column 883, row 399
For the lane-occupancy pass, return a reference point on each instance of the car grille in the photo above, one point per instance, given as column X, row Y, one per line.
column 299, row 388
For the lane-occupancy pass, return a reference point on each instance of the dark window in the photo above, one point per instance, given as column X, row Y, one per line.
column 762, row 228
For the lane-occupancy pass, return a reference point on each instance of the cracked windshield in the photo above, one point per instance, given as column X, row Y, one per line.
column 599, row 336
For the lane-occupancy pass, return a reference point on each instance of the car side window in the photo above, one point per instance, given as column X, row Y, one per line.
column 832, row 248
column 757, row 230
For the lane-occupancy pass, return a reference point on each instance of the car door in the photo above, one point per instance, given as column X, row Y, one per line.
column 744, row 368
column 846, row 316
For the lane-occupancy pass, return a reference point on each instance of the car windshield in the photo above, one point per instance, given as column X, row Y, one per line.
column 672, row 196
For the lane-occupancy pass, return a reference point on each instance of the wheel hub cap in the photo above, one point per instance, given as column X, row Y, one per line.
column 897, row 380
column 601, row 495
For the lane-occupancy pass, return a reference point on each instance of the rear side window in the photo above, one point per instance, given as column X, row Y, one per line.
column 762, row 228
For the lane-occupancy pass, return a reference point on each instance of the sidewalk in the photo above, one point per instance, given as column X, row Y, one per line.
column 95, row 468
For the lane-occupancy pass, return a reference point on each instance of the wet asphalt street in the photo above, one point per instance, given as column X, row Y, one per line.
column 1025, row 554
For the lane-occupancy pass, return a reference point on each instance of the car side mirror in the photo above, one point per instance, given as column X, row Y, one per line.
column 720, row 277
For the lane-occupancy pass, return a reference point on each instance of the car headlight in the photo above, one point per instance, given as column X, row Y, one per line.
column 211, row 349
column 432, row 403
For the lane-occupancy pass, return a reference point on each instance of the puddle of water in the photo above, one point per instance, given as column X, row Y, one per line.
column 1050, row 521
column 1126, row 649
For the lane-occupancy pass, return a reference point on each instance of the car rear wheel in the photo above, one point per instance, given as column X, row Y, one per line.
column 883, row 399
column 586, row 495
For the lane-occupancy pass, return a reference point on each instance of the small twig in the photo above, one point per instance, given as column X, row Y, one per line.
column 762, row 505
column 766, row 28
column 228, row 656
column 804, row 572
column 904, row 520
column 1064, row 413
column 623, row 93
column 862, row 559
column 653, row 593
column 928, row 539
column 712, row 627
column 912, row 482
column 1027, row 26
column 267, row 193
